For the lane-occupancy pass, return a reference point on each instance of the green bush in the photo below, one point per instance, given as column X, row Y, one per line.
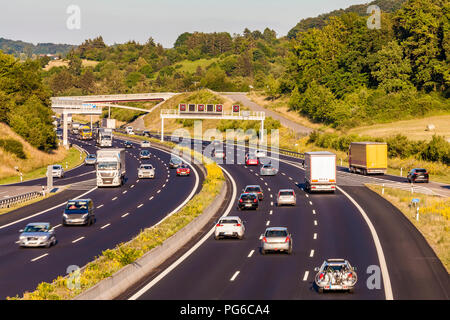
column 14, row 147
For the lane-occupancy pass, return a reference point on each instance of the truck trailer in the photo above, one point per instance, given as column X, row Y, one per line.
column 320, row 171
column 110, row 167
column 367, row 157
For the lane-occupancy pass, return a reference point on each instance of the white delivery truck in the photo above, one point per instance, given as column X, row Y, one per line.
column 104, row 137
column 111, row 167
column 320, row 171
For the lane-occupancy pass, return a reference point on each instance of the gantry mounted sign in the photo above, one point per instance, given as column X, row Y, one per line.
column 191, row 108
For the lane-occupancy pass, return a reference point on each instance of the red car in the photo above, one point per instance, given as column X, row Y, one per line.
column 183, row 170
column 251, row 160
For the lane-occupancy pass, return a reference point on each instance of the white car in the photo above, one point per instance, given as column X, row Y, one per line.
column 129, row 130
column 219, row 154
column 260, row 153
column 335, row 274
column 57, row 171
column 145, row 144
column 229, row 227
column 146, row 171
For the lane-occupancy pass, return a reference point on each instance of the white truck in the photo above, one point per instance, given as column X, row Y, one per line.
column 110, row 167
column 320, row 171
column 75, row 127
column 104, row 137
column 108, row 123
column 129, row 130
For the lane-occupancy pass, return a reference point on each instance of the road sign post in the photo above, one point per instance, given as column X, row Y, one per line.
column 49, row 178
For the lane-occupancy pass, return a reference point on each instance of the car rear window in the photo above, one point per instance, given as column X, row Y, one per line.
column 276, row 233
column 77, row 206
column 146, row 167
column 248, row 196
column 229, row 221
column 56, row 167
column 421, row 170
column 286, row 193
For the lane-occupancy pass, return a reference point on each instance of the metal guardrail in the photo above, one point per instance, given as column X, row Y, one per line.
column 285, row 152
column 9, row 202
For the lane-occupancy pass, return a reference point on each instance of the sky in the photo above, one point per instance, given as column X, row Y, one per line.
column 118, row 21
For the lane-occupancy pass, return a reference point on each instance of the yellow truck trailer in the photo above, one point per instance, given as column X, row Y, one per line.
column 85, row 133
column 367, row 157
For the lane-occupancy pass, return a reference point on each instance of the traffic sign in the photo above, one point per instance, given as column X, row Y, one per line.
column 218, row 108
column 236, row 108
column 182, row 107
column 200, row 107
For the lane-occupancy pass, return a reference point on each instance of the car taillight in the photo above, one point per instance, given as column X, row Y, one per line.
column 219, row 225
column 287, row 239
column 237, row 225
column 255, row 200
column 321, row 276
column 264, row 239
column 240, row 200
column 350, row 275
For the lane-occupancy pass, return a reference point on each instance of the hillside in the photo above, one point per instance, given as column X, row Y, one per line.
column 16, row 47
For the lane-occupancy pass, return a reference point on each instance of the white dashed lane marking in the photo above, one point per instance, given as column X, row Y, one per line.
column 99, row 206
column 76, row 240
column 40, row 257
column 105, row 226
column 305, row 277
column 250, row 254
column 234, row 275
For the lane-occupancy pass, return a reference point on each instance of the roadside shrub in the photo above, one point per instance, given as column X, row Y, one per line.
column 13, row 146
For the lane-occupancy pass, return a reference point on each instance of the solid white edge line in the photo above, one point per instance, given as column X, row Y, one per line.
column 166, row 271
column 384, row 270
column 44, row 211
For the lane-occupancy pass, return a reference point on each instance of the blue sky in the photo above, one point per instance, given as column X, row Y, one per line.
column 121, row 20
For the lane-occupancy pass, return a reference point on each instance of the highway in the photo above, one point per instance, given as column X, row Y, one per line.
column 322, row 226
column 121, row 213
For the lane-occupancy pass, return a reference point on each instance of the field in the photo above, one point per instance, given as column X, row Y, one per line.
column 413, row 129
column 65, row 63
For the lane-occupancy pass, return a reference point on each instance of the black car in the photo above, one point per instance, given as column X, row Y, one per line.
column 79, row 212
column 146, row 133
column 175, row 163
column 128, row 144
column 248, row 201
column 418, row 175
column 255, row 189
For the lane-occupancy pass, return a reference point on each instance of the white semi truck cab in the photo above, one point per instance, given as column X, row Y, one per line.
column 105, row 137
column 110, row 167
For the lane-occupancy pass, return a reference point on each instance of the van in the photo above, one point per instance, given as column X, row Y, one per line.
column 79, row 212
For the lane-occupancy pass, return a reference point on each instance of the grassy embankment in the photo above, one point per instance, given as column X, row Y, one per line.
column 112, row 260
column 434, row 218
column 36, row 162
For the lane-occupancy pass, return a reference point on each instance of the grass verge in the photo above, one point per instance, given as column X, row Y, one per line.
column 72, row 159
column 434, row 218
column 112, row 260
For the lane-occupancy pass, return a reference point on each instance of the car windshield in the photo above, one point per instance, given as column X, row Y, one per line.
column 107, row 166
column 229, row 221
column 147, row 167
column 253, row 189
column 76, row 206
column 91, row 156
column 334, row 268
column 175, row 160
column 276, row 233
column 286, row 193
column 56, row 167
column 36, row 228
column 144, row 152
column 421, row 170
column 248, row 196
column 267, row 166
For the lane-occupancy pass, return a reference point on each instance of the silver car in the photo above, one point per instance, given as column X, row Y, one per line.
column 144, row 154
column 286, row 196
column 276, row 239
column 268, row 170
column 57, row 171
column 37, row 234
column 145, row 144
column 91, row 159
column 335, row 274
column 229, row 227
column 146, row 171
